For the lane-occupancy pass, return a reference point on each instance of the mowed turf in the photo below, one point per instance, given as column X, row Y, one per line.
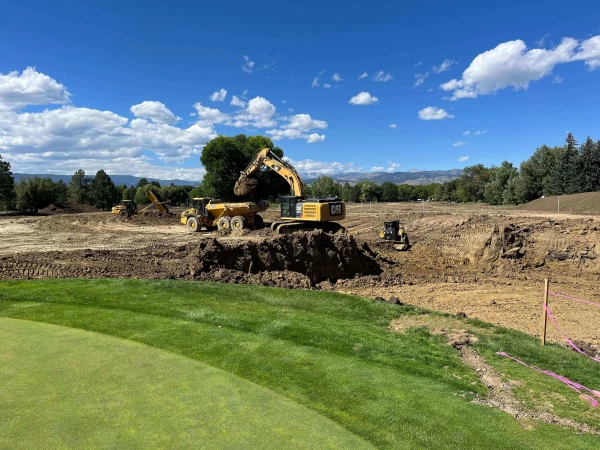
column 332, row 354
column 69, row 388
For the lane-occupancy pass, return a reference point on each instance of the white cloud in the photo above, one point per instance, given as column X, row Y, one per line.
column 155, row 111
column 284, row 101
column 466, row 133
column 315, row 82
column 377, row 169
column 392, row 166
column 245, row 94
column 381, row 77
column 420, row 78
column 510, row 64
column 443, row 67
column 557, row 80
column 463, row 158
column 236, row 101
column 480, row 132
column 315, row 137
column 459, row 144
column 363, row 98
column 218, row 96
column 291, row 109
column 248, row 65
column 337, row 78
column 259, row 113
column 417, row 64
column 393, row 125
column 30, row 88
column 210, row 115
column 433, row 113
column 312, row 168
column 304, row 122
column 322, row 72
column 364, row 75
column 326, row 86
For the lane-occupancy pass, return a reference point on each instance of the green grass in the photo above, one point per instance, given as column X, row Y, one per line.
column 329, row 353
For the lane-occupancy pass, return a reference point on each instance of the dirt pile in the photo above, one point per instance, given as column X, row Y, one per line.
column 317, row 255
column 68, row 208
column 245, row 186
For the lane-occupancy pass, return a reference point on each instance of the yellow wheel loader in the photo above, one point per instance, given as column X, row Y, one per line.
column 212, row 213
column 297, row 211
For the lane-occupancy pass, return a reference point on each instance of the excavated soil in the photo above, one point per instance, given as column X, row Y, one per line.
column 68, row 208
column 485, row 262
column 245, row 186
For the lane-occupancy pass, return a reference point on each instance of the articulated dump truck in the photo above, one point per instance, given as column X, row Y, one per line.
column 213, row 214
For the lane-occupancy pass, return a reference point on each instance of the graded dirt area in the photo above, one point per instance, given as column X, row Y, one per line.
column 486, row 262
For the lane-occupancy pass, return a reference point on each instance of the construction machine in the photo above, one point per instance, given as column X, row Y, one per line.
column 297, row 211
column 128, row 208
column 213, row 213
column 393, row 232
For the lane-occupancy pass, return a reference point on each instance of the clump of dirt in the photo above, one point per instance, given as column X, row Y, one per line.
column 68, row 208
column 245, row 186
column 506, row 241
column 319, row 256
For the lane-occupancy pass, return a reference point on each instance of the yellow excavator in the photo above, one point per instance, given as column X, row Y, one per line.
column 128, row 208
column 297, row 211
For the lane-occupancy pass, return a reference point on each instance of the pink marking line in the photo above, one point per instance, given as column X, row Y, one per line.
column 555, row 294
column 591, row 395
column 570, row 342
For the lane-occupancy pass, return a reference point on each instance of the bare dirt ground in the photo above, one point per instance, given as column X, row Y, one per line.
column 486, row 262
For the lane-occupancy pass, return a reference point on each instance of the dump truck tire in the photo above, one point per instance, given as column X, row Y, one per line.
column 192, row 224
column 123, row 213
column 238, row 223
column 224, row 223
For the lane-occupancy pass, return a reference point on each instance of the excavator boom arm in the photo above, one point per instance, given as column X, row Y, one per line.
column 267, row 158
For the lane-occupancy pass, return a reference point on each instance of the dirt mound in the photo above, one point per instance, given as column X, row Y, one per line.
column 245, row 186
column 156, row 218
column 68, row 208
column 586, row 203
column 317, row 255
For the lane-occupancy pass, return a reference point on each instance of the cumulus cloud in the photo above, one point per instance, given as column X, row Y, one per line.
column 480, row 132
column 511, row 64
column 393, row 125
column 363, row 98
column 210, row 115
column 466, row 133
column 557, row 80
column 392, row 166
column 218, row 96
column 155, row 111
column 236, row 101
column 382, row 77
column 248, row 65
column 326, row 86
column 30, row 88
column 377, row 169
column 463, row 158
column 312, row 168
column 443, row 67
column 459, row 144
column 364, row 75
column 315, row 82
column 337, row 78
column 259, row 113
column 315, row 137
column 433, row 113
column 420, row 63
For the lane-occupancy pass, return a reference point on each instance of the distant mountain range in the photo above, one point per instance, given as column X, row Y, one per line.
column 127, row 180
column 412, row 177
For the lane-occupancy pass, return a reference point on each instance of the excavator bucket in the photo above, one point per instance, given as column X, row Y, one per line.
column 161, row 206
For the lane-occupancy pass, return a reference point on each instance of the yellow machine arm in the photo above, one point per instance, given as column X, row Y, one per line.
column 267, row 158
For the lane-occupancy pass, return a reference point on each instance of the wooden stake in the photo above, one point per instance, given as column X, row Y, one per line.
column 545, row 312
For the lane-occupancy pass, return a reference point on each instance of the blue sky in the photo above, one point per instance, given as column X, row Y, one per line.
column 517, row 81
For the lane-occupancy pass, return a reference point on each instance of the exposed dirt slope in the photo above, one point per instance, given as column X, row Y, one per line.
column 586, row 203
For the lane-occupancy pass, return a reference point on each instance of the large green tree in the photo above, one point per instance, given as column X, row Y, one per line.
column 471, row 184
column 589, row 176
column 389, row 191
column 7, row 185
column 500, row 176
column 225, row 157
column 79, row 187
column 103, row 191
column 325, row 186
column 35, row 193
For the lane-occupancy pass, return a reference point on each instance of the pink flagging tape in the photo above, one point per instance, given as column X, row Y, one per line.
column 585, row 393
column 556, row 294
column 570, row 342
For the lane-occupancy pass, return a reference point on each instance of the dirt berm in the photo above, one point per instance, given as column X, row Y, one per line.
column 319, row 256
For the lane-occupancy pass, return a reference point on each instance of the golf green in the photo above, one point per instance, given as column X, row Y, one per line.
column 67, row 388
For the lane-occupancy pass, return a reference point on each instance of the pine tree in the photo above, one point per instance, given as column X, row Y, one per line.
column 103, row 191
column 572, row 178
column 7, row 184
column 595, row 165
column 587, row 169
column 79, row 187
